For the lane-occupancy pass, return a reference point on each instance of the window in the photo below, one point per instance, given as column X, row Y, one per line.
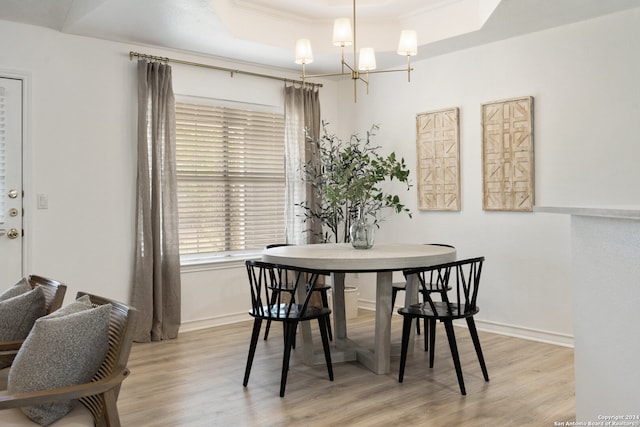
column 231, row 181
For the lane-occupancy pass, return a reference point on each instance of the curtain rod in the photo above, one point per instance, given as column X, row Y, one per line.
column 228, row 70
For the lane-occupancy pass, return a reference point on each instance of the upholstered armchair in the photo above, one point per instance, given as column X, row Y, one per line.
column 70, row 368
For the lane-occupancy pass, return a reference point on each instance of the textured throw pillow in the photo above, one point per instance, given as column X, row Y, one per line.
column 60, row 351
column 17, row 314
column 19, row 288
column 82, row 303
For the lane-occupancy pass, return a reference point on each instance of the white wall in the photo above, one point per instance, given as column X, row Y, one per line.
column 81, row 153
column 584, row 80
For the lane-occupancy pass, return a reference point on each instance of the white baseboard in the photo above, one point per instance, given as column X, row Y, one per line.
column 547, row 337
column 210, row 322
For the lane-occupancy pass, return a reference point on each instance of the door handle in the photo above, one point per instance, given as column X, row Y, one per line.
column 13, row 233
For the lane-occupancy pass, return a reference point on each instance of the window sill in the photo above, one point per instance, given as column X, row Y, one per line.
column 216, row 262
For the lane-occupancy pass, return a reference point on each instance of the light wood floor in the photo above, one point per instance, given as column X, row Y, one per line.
column 196, row 380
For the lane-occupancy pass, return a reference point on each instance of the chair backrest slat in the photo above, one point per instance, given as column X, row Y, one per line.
column 439, row 283
column 274, row 289
column 466, row 274
column 54, row 291
column 121, row 326
column 477, row 271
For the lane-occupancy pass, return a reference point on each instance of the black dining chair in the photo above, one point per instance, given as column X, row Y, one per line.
column 433, row 285
column 320, row 288
column 270, row 302
column 464, row 277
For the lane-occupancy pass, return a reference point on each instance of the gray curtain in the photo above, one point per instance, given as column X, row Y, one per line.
column 302, row 111
column 156, row 286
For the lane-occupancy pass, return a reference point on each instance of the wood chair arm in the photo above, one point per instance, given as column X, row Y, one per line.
column 10, row 345
column 6, row 357
column 8, row 352
column 64, row 393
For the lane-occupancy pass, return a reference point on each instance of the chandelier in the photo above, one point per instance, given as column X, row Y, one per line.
column 344, row 37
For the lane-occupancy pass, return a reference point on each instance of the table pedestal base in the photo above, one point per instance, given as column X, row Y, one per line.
column 377, row 359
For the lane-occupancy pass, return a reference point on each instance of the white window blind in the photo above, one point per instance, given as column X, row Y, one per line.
column 3, row 161
column 231, row 182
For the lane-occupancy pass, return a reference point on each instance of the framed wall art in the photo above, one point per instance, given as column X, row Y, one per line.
column 507, row 155
column 438, row 160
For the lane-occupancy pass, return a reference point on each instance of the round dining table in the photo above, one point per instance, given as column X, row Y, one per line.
column 382, row 259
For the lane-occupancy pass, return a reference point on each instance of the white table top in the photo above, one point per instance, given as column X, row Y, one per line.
column 343, row 257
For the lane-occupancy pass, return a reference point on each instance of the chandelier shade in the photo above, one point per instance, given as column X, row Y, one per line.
column 367, row 59
column 303, row 52
column 408, row 44
column 342, row 34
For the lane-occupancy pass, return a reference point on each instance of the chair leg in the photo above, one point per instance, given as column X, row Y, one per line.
column 448, row 324
column 432, row 340
column 284, row 334
column 406, row 332
column 325, row 303
column 323, row 325
column 111, row 417
column 290, row 331
column 252, row 349
column 426, row 334
column 394, row 292
column 295, row 336
column 476, row 343
column 266, row 330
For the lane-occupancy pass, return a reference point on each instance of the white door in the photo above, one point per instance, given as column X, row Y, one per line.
column 10, row 182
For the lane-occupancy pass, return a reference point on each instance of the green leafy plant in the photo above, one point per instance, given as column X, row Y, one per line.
column 346, row 178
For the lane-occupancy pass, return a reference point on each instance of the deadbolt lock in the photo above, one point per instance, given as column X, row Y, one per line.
column 13, row 233
column 13, row 194
column 13, row 212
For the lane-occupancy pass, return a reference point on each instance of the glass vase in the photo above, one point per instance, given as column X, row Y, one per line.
column 362, row 233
